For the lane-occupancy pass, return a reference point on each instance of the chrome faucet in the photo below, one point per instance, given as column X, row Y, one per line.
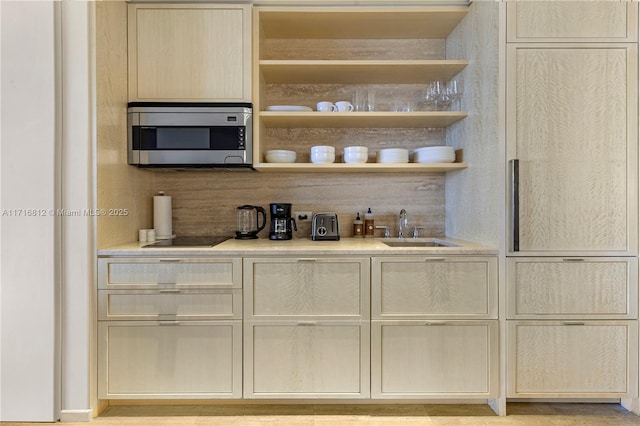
column 403, row 223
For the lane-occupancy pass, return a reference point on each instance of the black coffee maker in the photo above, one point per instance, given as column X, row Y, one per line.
column 282, row 224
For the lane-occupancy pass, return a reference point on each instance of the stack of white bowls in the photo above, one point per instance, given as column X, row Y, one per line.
column 355, row 154
column 434, row 154
column 323, row 154
column 393, row 155
column 280, row 156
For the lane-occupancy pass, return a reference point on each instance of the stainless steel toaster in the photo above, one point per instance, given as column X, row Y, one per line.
column 325, row 227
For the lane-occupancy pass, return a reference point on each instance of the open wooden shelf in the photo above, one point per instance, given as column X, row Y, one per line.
column 383, row 119
column 359, row 71
column 360, row 168
column 361, row 22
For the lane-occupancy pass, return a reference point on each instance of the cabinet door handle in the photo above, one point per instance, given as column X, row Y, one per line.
column 514, row 168
column 573, row 259
column 306, row 323
column 170, row 291
column 170, row 260
column 307, row 260
column 435, row 259
column 167, row 323
column 572, row 323
column 435, row 323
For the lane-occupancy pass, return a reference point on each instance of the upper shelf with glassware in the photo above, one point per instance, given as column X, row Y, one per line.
column 390, row 57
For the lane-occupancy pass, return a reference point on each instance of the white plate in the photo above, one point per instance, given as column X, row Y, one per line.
column 288, row 108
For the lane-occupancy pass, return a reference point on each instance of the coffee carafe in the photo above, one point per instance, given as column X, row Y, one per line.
column 282, row 224
column 249, row 222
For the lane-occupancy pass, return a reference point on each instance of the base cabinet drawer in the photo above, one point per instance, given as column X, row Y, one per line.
column 572, row 359
column 288, row 288
column 453, row 287
column 572, row 288
column 415, row 359
column 150, row 273
column 306, row 359
column 174, row 304
column 175, row 360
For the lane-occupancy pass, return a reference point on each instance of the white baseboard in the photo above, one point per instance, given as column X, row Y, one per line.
column 76, row 415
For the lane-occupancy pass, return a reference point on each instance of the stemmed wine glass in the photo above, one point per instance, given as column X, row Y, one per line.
column 436, row 96
column 454, row 92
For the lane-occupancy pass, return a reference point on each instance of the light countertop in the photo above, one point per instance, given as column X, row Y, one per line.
column 305, row 246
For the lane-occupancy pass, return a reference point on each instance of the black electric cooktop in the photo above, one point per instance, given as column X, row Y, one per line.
column 187, row 242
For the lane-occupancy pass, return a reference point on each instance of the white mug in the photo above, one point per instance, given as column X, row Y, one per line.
column 344, row 106
column 326, row 106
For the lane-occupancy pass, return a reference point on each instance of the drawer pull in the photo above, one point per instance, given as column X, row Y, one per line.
column 166, row 323
column 307, row 260
column 307, row 323
column 170, row 291
column 435, row 259
column 573, row 259
column 573, row 323
column 170, row 260
column 435, row 323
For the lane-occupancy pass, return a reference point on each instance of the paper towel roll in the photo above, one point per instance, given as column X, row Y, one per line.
column 162, row 216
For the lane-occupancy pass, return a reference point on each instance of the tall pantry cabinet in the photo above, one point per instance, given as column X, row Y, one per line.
column 572, row 266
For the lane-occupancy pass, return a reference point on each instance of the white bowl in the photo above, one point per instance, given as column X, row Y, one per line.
column 323, row 156
column 393, row 155
column 280, row 156
column 354, row 149
column 323, row 148
column 355, row 156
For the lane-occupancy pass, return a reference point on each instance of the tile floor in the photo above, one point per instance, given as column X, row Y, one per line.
column 535, row 414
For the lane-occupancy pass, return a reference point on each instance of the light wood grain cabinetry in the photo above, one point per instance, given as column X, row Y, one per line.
column 422, row 341
column 306, row 328
column 572, row 288
column 558, row 21
column 189, row 52
column 582, row 351
column 573, row 359
column 169, row 328
column 407, row 287
column 577, row 178
column 572, row 117
column 341, row 49
column 434, row 359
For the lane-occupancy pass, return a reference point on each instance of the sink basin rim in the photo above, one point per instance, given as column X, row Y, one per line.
column 417, row 243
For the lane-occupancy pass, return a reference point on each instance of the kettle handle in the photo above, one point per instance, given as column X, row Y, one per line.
column 264, row 218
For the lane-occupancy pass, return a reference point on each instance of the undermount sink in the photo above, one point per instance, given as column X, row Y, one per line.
column 410, row 242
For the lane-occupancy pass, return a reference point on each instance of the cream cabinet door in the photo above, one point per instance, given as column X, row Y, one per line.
column 409, row 287
column 572, row 132
column 611, row 21
column 587, row 359
column 172, row 304
column 435, row 359
column 171, row 273
column 189, row 52
column 281, row 288
column 306, row 359
column 176, row 360
column 572, row 288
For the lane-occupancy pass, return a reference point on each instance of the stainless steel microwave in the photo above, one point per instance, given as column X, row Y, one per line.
column 190, row 135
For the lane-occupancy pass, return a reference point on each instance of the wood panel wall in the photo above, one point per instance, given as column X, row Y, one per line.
column 119, row 186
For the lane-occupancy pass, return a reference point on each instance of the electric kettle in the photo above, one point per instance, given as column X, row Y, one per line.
column 249, row 222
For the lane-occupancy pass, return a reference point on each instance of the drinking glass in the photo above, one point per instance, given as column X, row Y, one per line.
column 436, row 97
column 454, row 92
